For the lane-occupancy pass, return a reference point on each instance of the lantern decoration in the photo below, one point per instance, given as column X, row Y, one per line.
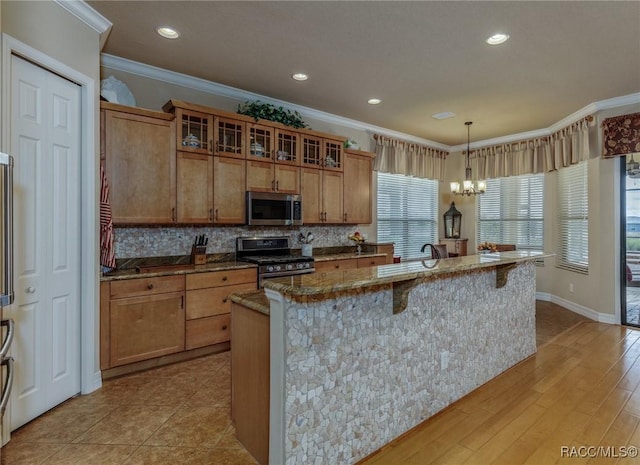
column 452, row 222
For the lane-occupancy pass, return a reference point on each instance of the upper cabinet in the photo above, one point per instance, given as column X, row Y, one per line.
column 358, row 173
column 193, row 165
column 140, row 163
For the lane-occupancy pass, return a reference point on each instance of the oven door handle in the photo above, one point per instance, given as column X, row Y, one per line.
column 278, row 274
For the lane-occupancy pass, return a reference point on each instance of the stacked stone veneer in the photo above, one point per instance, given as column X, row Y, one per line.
column 357, row 376
column 132, row 242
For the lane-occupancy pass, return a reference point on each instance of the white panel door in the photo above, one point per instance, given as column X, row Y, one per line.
column 45, row 140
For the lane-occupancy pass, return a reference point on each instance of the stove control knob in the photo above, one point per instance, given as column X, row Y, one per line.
column 278, row 267
column 289, row 266
column 307, row 265
column 270, row 268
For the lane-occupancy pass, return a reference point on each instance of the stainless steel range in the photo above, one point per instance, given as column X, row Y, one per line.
column 273, row 257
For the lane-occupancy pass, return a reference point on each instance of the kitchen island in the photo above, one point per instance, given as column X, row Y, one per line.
column 358, row 357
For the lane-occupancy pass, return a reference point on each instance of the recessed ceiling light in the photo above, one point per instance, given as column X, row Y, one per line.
column 498, row 39
column 444, row 115
column 168, row 32
column 300, row 76
column 374, row 101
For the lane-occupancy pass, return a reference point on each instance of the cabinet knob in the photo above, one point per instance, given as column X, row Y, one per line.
column 224, row 327
column 30, row 290
column 225, row 300
column 224, row 278
column 150, row 286
column 337, row 266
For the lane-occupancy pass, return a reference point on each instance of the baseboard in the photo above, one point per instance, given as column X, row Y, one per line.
column 577, row 308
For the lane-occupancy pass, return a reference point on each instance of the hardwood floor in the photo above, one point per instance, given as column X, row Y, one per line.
column 580, row 389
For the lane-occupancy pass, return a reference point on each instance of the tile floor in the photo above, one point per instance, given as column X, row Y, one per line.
column 177, row 415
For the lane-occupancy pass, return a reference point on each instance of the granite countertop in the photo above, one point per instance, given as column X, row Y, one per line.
column 336, row 281
column 255, row 300
column 175, row 269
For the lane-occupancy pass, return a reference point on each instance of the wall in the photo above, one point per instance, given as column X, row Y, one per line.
column 55, row 32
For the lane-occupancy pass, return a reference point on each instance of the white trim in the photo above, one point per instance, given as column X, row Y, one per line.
column 90, row 375
column 89, row 16
column 579, row 309
column 587, row 110
column 202, row 85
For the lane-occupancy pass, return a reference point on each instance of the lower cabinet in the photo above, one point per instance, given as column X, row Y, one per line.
column 208, row 305
column 349, row 263
column 148, row 318
column 145, row 319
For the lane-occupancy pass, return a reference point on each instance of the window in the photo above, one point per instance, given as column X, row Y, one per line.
column 407, row 212
column 573, row 218
column 511, row 212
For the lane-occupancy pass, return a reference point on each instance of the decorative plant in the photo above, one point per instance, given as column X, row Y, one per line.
column 259, row 110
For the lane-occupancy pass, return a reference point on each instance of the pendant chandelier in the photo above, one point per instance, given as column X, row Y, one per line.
column 468, row 186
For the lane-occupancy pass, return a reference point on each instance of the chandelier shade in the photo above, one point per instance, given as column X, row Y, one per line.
column 468, row 186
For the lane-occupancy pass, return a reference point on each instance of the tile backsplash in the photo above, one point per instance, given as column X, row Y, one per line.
column 132, row 242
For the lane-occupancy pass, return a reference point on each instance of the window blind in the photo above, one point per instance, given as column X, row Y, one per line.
column 511, row 211
column 573, row 218
column 407, row 212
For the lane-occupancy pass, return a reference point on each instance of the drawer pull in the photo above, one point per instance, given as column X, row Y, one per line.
column 224, row 327
column 225, row 300
column 150, row 286
column 337, row 266
column 224, row 278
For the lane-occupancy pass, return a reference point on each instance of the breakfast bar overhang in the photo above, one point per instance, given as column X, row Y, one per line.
column 359, row 357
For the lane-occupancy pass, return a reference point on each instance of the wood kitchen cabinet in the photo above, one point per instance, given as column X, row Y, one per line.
column 145, row 319
column 322, row 192
column 272, row 160
column 140, row 163
column 349, row 263
column 358, row 174
column 194, row 187
column 208, row 319
column 228, row 190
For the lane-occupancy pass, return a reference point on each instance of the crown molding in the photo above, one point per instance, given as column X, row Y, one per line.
column 202, row 85
column 89, row 16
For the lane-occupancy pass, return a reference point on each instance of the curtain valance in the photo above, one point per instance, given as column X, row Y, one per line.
column 401, row 157
column 565, row 147
column 621, row 135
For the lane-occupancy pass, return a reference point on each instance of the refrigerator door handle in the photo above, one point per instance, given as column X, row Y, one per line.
column 6, row 390
column 4, row 350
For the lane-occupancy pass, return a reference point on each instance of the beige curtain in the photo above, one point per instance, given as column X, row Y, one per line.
column 400, row 157
column 566, row 147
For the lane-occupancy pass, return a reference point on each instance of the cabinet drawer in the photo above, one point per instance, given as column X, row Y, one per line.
column 371, row 261
column 206, row 331
column 332, row 265
column 145, row 286
column 212, row 301
column 222, row 278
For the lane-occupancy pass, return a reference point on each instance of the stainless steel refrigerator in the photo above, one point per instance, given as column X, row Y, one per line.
column 6, row 280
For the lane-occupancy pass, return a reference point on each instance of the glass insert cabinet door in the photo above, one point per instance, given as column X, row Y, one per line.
column 260, row 142
column 194, row 131
column 230, row 137
column 287, row 147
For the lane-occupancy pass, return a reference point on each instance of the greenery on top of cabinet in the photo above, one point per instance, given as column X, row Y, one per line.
column 259, row 110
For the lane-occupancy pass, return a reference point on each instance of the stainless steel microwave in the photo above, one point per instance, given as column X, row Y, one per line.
column 273, row 209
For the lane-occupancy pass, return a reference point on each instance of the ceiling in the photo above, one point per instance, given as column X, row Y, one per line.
column 419, row 57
